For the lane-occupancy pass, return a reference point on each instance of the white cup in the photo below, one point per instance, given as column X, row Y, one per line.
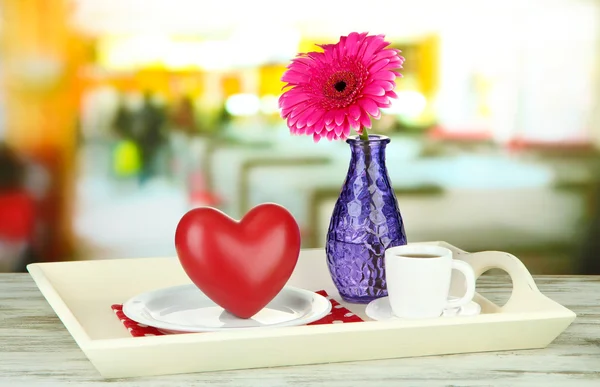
column 418, row 280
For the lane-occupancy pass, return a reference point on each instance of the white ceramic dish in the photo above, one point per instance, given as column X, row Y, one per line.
column 81, row 294
column 381, row 310
column 185, row 308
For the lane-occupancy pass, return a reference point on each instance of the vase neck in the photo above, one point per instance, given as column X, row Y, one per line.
column 374, row 149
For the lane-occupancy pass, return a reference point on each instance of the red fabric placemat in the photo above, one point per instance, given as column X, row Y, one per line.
column 338, row 315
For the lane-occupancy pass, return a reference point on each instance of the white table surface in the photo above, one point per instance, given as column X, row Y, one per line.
column 37, row 350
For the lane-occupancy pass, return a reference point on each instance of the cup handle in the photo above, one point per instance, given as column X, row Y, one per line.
column 469, row 274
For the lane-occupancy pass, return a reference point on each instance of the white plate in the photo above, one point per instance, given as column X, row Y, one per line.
column 185, row 308
column 380, row 310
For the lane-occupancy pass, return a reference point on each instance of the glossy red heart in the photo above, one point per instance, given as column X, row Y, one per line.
column 243, row 265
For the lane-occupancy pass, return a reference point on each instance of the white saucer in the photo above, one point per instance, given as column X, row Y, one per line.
column 184, row 308
column 381, row 310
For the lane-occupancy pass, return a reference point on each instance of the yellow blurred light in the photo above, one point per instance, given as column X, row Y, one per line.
column 270, row 79
column 125, row 53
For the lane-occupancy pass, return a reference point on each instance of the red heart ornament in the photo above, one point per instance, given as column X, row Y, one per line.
column 241, row 266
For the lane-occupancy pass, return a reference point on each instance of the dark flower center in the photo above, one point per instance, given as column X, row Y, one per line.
column 340, row 86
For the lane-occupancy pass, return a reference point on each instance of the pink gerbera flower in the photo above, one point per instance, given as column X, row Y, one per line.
column 341, row 88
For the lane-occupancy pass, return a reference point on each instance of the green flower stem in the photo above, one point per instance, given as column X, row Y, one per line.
column 364, row 136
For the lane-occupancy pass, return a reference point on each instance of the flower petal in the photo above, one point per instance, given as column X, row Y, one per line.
column 372, row 47
column 377, row 115
column 354, row 112
column 374, row 89
column 362, row 47
column 305, row 117
column 345, row 129
column 292, row 102
column 299, row 131
column 351, row 43
column 365, row 121
column 299, row 109
column 381, row 100
column 395, row 62
column 376, row 66
column 315, row 117
column 328, row 53
column 293, row 118
column 340, row 116
column 386, row 54
column 295, row 77
column 384, row 76
column 287, row 110
column 329, row 117
column 319, row 126
column 387, row 86
column 341, row 47
column 369, row 106
column 301, row 61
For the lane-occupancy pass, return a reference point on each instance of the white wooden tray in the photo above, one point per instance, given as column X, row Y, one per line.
column 81, row 294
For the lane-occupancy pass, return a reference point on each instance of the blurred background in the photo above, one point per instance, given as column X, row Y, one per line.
column 118, row 116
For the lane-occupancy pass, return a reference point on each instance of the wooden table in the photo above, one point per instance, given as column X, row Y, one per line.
column 36, row 349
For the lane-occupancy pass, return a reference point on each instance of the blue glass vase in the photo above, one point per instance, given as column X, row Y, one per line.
column 366, row 221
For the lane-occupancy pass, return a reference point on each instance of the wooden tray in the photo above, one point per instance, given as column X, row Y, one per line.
column 81, row 294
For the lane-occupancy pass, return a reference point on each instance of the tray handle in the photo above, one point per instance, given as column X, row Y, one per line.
column 523, row 283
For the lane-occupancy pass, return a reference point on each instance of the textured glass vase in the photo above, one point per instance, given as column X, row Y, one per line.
column 366, row 221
